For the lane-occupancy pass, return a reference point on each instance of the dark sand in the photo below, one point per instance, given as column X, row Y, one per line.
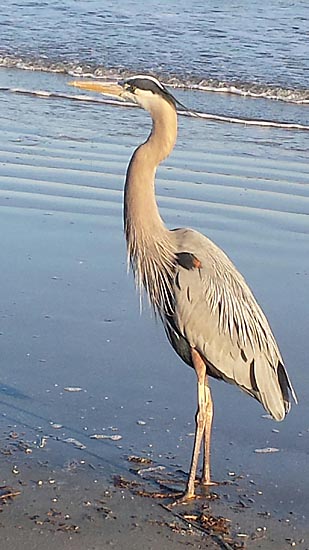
column 70, row 318
column 72, row 507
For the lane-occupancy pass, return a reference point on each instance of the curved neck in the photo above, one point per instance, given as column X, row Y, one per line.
column 140, row 207
column 150, row 250
column 162, row 138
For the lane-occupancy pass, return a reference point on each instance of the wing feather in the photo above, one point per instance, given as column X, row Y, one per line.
column 216, row 312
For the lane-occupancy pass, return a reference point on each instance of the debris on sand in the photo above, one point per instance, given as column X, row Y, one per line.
column 155, row 494
column 75, row 442
column 143, row 471
column 56, row 519
column 216, row 527
column 139, row 459
column 175, row 526
column 208, row 521
column 7, row 492
column 122, row 483
column 42, row 442
column 267, row 450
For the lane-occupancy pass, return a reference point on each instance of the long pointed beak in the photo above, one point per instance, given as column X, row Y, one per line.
column 106, row 88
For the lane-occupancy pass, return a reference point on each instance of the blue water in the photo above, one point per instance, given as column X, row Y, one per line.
column 259, row 47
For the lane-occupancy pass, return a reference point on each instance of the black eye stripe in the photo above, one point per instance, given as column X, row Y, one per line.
column 144, row 83
column 149, row 85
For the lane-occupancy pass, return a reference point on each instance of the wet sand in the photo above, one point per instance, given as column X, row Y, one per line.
column 79, row 506
column 70, row 320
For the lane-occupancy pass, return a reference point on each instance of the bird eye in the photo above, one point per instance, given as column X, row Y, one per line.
column 130, row 88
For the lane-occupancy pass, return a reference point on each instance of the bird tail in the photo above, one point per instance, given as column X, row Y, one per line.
column 274, row 388
column 286, row 387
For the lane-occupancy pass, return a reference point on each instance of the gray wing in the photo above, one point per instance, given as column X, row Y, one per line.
column 216, row 313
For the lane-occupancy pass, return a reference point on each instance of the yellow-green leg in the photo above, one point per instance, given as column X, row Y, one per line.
column 203, row 426
column 207, row 436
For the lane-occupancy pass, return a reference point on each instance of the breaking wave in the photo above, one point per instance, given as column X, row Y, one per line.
column 299, row 96
column 208, row 116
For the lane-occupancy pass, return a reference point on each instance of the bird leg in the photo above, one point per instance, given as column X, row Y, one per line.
column 207, row 435
column 200, row 419
column 203, row 420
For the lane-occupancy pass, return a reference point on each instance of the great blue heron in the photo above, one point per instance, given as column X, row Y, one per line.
column 209, row 313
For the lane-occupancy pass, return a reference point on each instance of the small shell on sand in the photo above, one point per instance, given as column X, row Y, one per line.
column 75, row 442
column 267, row 450
column 114, row 437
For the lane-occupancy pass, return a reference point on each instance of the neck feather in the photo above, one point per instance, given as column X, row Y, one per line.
column 150, row 249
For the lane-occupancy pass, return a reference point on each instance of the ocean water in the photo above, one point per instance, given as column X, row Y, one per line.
column 258, row 49
column 69, row 314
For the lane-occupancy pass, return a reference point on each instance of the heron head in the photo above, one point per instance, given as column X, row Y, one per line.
column 145, row 91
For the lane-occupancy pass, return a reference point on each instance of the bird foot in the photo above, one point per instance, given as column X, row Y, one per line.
column 189, row 496
column 208, row 483
column 186, row 498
